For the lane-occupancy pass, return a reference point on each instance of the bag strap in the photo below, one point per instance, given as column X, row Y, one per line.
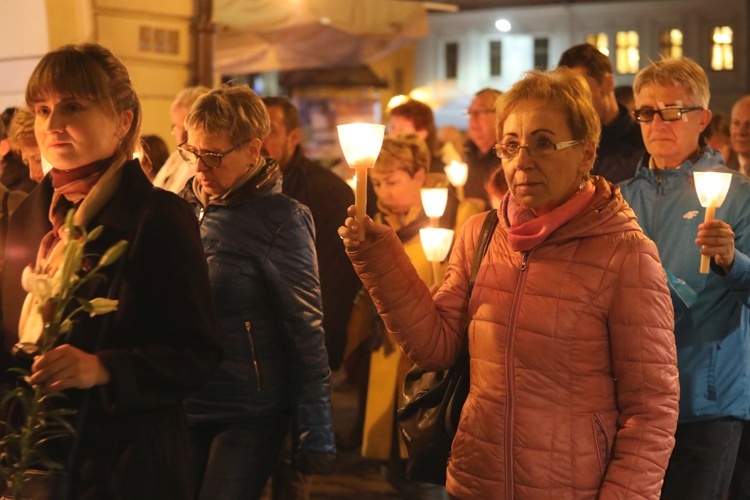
column 483, row 242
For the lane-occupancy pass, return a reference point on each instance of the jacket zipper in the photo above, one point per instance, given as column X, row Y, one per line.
column 252, row 350
column 201, row 214
column 509, row 378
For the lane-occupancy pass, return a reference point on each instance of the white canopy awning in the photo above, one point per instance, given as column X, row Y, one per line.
column 265, row 35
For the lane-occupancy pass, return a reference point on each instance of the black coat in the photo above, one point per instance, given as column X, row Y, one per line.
column 159, row 346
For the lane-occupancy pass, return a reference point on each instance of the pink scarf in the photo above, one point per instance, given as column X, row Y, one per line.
column 71, row 186
column 528, row 231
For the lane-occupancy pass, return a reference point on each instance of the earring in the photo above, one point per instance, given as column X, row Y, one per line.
column 582, row 185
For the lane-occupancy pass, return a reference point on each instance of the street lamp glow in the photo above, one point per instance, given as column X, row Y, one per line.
column 502, row 25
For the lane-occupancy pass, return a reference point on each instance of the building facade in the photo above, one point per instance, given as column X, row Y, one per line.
column 468, row 51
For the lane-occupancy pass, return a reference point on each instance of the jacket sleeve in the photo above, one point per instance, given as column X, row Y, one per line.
column 429, row 331
column 644, row 362
column 293, row 276
column 164, row 343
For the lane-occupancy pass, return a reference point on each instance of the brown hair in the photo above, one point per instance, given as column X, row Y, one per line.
column 588, row 57
column 234, row 110
column 421, row 116
column 291, row 114
column 406, row 152
column 92, row 72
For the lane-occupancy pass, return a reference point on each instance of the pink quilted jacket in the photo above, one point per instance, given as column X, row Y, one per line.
column 574, row 388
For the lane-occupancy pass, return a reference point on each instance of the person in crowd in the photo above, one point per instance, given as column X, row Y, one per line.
column 327, row 196
column 414, row 116
column 14, row 174
column 478, row 152
column 573, row 388
column 718, row 136
column 175, row 173
column 712, row 330
column 399, row 174
column 260, row 247
column 155, row 154
column 739, row 134
column 621, row 145
column 126, row 375
column 624, row 96
column 23, row 142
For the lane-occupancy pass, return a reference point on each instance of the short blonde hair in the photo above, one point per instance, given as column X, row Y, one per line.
column 21, row 131
column 406, row 152
column 564, row 89
column 92, row 72
column 187, row 96
column 682, row 73
column 234, row 110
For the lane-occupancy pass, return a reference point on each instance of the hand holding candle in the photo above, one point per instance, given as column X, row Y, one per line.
column 712, row 188
column 361, row 144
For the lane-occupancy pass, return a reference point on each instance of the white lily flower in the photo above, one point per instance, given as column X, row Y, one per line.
column 38, row 284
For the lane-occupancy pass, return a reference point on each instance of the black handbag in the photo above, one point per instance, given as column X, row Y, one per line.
column 429, row 418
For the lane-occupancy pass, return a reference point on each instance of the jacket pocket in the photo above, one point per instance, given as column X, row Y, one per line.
column 602, row 440
column 253, row 357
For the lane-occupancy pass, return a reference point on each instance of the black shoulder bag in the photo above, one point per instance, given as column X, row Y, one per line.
column 429, row 418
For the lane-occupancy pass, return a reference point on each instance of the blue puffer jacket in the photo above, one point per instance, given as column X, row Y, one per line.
column 713, row 333
column 260, row 247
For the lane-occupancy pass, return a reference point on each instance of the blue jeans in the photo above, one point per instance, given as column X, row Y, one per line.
column 703, row 459
column 233, row 461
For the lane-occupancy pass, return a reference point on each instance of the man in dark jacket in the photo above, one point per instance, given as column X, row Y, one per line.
column 328, row 197
column 479, row 148
column 621, row 143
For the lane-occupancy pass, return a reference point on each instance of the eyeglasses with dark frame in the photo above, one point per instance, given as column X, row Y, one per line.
column 211, row 160
column 670, row 114
column 541, row 147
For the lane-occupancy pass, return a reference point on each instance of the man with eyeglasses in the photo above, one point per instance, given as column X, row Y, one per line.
column 621, row 146
column 712, row 326
column 739, row 136
column 478, row 152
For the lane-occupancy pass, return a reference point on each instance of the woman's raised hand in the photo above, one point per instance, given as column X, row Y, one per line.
column 348, row 232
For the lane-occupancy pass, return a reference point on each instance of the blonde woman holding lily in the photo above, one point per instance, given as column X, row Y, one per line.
column 125, row 373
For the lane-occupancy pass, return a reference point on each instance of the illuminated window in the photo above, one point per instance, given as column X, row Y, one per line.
column 627, row 52
column 670, row 44
column 451, row 60
column 600, row 41
column 496, row 58
column 722, row 57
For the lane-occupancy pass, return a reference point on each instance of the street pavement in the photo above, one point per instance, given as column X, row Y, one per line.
column 355, row 477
